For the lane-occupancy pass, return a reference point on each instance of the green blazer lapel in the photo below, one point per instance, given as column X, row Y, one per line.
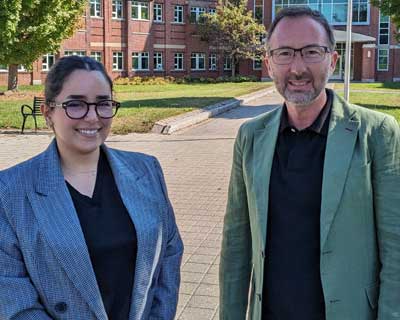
column 342, row 137
column 264, row 148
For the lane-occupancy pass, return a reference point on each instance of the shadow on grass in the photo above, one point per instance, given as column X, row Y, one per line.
column 378, row 107
column 184, row 102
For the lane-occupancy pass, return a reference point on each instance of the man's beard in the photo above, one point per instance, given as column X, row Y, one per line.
column 299, row 97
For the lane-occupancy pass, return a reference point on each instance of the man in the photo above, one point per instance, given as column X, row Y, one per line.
column 312, row 228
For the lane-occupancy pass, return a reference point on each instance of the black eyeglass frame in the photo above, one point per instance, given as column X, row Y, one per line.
column 88, row 104
column 326, row 50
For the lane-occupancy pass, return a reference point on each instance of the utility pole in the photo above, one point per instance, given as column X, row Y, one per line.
column 347, row 63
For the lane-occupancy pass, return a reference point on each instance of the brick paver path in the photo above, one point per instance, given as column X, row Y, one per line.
column 196, row 164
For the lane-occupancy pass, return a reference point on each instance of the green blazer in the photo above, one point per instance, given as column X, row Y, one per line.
column 360, row 216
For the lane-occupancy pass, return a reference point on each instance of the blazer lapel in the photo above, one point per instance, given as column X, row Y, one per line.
column 264, row 149
column 59, row 223
column 342, row 137
column 136, row 190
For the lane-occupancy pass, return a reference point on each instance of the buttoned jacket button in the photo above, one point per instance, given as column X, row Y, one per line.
column 262, row 254
column 61, row 307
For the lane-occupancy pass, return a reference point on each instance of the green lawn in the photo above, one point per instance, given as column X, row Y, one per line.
column 378, row 100
column 142, row 105
column 385, row 86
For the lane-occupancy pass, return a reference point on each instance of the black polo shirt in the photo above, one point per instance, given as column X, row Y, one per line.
column 111, row 240
column 292, row 284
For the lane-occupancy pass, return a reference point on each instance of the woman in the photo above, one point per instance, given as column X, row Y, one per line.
column 86, row 231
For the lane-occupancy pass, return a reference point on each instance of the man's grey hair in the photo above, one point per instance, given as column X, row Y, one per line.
column 301, row 11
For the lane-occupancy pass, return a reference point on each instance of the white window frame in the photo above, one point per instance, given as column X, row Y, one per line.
column 386, row 29
column 158, row 12
column 316, row 4
column 212, row 62
column 46, row 65
column 383, row 56
column 255, row 6
column 178, row 14
column 141, row 57
column 196, row 57
column 227, row 63
column 198, row 11
column 117, row 9
column 158, row 61
column 212, row 10
column 80, row 53
column 141, row 6
column 97, row 55
column 96, row 5
column 178, row 56
column 118, row 61
column 254, row 64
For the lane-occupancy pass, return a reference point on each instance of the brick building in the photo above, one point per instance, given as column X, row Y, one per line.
column 141, row 38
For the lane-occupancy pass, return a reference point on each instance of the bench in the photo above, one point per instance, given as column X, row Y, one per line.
column 34, row 111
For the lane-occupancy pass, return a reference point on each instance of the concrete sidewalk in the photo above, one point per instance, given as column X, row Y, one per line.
column 196, row 164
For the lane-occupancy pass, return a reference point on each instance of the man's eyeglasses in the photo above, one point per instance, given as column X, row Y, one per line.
column 310, row 54
column 78, row 109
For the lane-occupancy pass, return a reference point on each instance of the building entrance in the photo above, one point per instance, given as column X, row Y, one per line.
column 338, row 74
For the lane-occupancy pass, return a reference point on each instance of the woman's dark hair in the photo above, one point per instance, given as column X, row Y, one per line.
column 59, row 73
column 299, row 11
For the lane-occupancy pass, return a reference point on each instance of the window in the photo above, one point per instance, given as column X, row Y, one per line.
column 21, row 68
column 95, row 8
column 197, row 61
column 195, row 14
column 212, row 10
column 140, row 61
column 335, row 11
column 178, row 61
column 158, row 63
column 384, row 23
column 157, row 12
column 118, row 61
column 3, row 67
column 117, row 9
column 383, row 59
column 74, row 53
column 212, row 61
column 96, row 55
column 47, row 62
column 178, row 14
column 257, row 64
column 227, row 63
column 140, row 10
column 259, row 10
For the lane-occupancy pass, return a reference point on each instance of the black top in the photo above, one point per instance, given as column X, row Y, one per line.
column 292, row 284
column 111, row 240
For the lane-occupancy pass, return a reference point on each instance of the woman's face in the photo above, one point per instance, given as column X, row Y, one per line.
column 81, row 136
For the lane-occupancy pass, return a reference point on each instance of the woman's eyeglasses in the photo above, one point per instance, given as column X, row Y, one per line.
column 78, row 109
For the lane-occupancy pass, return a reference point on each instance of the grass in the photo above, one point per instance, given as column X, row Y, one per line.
column 377, row 100
column 142, row 105
column 385, row 86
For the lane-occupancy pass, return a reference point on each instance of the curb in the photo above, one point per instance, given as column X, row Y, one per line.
column 173, row 124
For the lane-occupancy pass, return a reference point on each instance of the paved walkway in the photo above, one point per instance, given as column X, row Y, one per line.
column 196, row 164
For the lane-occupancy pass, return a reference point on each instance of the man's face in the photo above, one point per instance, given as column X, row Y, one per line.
column 300, row 82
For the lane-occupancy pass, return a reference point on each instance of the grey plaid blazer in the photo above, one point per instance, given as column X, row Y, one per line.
column 45, row 269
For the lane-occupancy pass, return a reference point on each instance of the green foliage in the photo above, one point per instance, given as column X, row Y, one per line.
column 233, row 32
column 31, row 28
column 390, row 8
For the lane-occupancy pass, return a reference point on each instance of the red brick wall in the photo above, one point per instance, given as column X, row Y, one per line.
column 127, row 35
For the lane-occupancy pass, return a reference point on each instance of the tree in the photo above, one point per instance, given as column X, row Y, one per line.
column 390, row 8
column 233, row 32
column 31, row 28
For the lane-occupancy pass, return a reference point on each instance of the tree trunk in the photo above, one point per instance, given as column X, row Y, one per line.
column 13, row 77
column 233, row 64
